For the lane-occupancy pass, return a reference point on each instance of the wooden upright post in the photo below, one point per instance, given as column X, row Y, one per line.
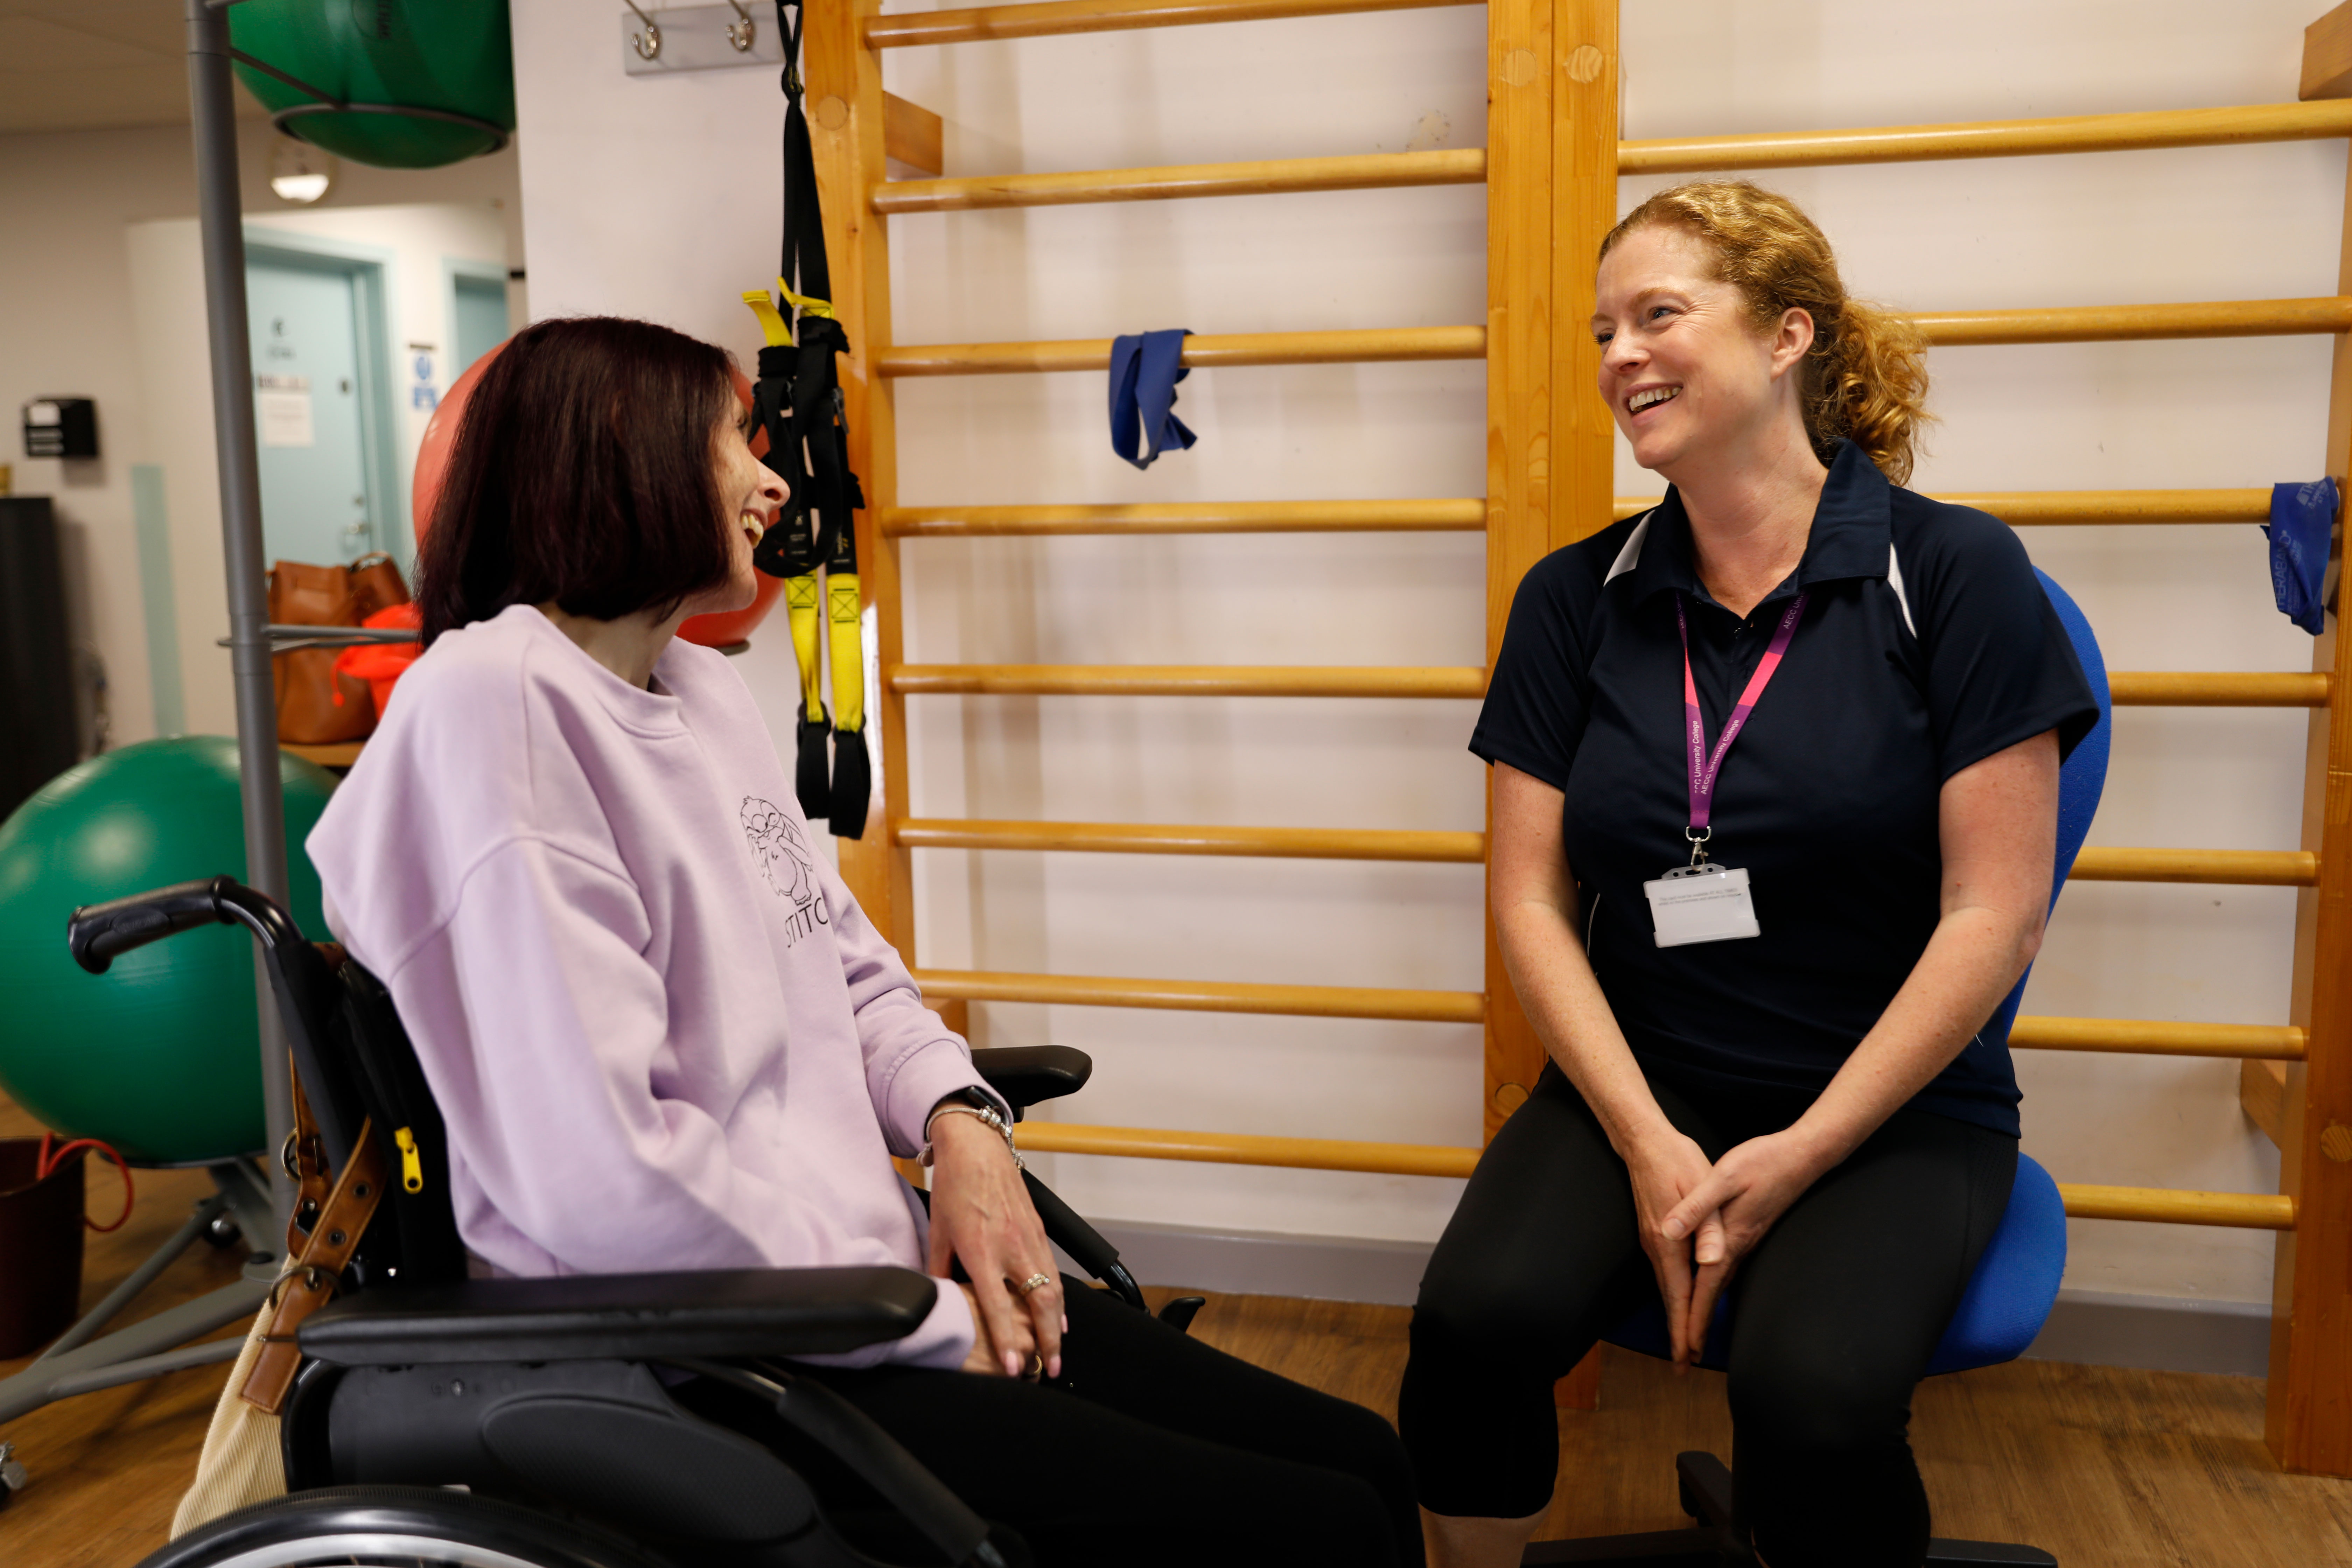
column 1519, row 415
column 847, row 120
column 2310, row 1396
column 1551, row 195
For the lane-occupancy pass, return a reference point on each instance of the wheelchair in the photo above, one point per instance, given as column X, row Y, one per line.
column 437, row 1419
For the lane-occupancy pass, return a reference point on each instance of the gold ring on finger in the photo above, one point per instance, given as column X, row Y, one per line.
column 1034, row 1283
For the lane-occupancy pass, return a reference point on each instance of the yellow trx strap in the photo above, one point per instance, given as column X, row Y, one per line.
column 802, row 303
column 779, row 332
column 801, row 607
column 848, row 651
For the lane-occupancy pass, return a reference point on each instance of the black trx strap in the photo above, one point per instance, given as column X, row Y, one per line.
column 798, row 401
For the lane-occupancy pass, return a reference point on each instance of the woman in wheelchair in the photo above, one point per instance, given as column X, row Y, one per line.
column 663, row 1037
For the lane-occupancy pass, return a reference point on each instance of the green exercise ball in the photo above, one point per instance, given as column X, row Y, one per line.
column 428, row 81
column 159, row 1055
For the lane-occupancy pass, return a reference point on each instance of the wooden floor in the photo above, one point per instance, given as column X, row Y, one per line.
column 2103, row 1467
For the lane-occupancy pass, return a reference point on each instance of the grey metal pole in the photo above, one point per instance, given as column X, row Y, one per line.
column 219, row 204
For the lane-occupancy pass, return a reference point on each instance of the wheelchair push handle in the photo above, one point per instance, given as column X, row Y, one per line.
column 100, row 933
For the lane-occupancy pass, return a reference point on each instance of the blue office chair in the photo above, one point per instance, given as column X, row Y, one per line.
column 2009, row 1297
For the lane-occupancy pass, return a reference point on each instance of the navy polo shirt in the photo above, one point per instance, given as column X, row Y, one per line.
column 1927, row 645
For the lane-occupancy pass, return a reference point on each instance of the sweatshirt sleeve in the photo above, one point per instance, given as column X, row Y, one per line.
column 540, row 1025
column 913, row 1060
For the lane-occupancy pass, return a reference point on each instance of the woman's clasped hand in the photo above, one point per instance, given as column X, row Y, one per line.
column 1698, row 1220
column 981, row 1217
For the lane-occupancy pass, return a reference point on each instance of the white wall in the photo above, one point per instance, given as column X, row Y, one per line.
column 656, row 197
column 67, row 328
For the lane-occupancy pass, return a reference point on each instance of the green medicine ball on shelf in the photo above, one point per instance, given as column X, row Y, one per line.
column 416, row 83
column 159, row 1056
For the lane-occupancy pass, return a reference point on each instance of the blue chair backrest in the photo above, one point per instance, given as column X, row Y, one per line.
column 2080, row 782
column 2016, row 1280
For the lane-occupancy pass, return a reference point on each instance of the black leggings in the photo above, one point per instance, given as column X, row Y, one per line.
column 1151, row 1448
column 1837, row 1311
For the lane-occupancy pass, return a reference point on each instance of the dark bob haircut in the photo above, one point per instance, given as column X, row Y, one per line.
column 582, row 474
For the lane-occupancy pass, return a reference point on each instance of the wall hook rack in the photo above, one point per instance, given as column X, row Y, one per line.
column 647, row 44
column 696, row 38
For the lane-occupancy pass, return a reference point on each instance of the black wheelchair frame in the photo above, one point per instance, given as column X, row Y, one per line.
column 530, row 1422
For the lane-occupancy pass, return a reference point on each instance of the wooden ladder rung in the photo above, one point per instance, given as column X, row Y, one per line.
column 1206, row 996
column 1462, row 516
column 2166, row 1206
column 2250, row 867
column 1468, row 165
column 1247, row 1149
column 2023, row 508
column 1468, row 514
column 982, row 23
column 1991, row 139
column 2123, row 323
column 1277, row 176
column 1146, row 839
column 1182, row 680
column 2158, row 1038
column 2064, row 324
column 2127, row 688
column 2218, row 689
column 2173, row 1205
column 1361, row 347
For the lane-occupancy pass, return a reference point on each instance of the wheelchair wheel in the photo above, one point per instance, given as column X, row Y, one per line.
column 396, row 1527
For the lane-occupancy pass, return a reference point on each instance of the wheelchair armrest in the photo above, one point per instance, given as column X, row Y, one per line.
column 1024, row 1075
column 622, row 1317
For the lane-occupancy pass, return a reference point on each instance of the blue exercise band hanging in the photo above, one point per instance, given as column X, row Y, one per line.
column 2303, row 521
column 1144, row 371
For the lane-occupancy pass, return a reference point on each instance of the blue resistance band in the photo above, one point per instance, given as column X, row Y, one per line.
column 1144, row 371
column 2302, row 517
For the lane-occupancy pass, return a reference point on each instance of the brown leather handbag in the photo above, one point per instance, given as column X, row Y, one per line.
column 317, row 706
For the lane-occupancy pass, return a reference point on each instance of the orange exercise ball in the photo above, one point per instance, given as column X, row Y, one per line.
column 433, row 462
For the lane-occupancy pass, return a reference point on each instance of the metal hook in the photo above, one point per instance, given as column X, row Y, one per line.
column 742, row 34
column 648, row 43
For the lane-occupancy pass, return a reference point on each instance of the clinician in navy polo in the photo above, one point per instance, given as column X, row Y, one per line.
column 1775, row 796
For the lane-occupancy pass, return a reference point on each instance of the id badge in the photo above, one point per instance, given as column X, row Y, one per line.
column 1701, row 903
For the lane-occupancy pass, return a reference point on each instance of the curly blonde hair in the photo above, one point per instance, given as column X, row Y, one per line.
column 1866, row 377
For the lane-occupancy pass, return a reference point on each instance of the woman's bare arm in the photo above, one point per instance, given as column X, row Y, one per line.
column 1534, row 893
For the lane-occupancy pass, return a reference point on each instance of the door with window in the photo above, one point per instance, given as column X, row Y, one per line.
column 314, row 410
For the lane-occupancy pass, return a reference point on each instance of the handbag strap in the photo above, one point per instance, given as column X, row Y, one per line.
column 315, row 1275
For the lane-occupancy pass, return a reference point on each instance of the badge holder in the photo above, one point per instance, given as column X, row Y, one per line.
column 1701, row 901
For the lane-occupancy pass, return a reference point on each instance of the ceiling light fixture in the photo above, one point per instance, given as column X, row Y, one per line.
column 299, row 174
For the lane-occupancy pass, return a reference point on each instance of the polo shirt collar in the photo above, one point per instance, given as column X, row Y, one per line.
column 1852, row 535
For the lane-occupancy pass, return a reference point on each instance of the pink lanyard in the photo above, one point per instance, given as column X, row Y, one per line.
column 1704, row 763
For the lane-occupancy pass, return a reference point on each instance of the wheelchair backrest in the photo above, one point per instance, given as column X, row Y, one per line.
column 413, row 1239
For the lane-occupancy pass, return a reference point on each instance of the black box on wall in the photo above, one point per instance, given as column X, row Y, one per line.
column 61, row 427
column 38, row 736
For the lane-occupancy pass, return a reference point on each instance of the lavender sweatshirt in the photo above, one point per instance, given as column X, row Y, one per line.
column 661, row 1032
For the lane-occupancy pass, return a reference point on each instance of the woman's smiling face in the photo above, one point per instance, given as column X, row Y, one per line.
column 750, row 493
column 1682, row 367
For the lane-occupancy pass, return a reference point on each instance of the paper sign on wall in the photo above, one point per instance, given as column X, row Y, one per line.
column 282, row 407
